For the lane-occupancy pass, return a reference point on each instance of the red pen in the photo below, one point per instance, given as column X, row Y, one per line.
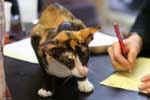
column 122, row 45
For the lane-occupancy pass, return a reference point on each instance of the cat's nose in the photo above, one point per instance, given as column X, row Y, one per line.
column 83, row 71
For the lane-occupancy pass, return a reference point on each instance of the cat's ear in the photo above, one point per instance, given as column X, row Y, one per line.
column 62, row 36
column 86, row 35
column 48, row 45
column 37, row 29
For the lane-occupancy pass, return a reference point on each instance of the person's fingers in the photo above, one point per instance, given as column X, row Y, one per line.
column 110, row 52
column 148, row 91
column 145, row 78
column 119, row 57
column 115, row 64
column 132, row 56
column 144, row 86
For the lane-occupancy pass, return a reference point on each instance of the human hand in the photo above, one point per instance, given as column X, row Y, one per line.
column 133, row 45
column 145, row 86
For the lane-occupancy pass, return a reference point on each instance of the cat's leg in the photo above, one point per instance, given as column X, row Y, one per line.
column 85, row 86
column 48, row 85
column 44, row 93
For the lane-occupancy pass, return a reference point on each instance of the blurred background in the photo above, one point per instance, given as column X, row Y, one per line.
column 22, row 14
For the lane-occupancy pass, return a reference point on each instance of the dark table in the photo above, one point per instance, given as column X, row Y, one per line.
column 24, row 79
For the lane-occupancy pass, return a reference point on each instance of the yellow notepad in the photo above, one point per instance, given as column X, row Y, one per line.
column 129, row 80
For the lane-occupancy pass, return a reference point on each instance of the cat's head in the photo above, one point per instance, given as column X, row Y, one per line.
column 70, row 49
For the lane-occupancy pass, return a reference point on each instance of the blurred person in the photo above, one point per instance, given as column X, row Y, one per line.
column 4, row 91
column 138, row 40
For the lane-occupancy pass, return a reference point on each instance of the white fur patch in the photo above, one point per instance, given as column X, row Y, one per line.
column 85, row 86
column 79, row 70
column 44, row 93
column 76, row 73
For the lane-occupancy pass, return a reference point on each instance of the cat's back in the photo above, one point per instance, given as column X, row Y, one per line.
column 50, row 20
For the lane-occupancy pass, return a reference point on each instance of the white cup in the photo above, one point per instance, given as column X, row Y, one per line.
column 28, row 10
column 7, row 8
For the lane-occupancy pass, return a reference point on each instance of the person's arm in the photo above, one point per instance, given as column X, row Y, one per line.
column 142, row 24
column 133, row 42
column 142, row 28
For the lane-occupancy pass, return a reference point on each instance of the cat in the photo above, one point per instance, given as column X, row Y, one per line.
column 60, row 42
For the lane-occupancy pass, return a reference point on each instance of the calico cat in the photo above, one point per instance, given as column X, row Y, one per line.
column 60, row 42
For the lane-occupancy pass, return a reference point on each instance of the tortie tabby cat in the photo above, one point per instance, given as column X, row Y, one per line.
column 60, row 42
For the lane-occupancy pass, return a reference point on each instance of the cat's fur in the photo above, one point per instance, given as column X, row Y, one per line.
column 60, row 42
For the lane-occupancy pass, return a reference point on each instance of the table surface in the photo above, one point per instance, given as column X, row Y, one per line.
column 24, row 79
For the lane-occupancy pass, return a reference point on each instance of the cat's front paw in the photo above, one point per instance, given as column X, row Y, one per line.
column 85, row 86
column 44, row 93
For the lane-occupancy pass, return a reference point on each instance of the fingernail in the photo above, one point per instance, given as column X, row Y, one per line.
column 141, row 86
column 143, row 79
column 148, row 91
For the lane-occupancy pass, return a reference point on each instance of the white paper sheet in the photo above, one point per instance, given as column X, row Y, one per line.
column 22, row 50
column 101, row 42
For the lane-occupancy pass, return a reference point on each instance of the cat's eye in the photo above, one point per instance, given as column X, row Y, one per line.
column 71, row 57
